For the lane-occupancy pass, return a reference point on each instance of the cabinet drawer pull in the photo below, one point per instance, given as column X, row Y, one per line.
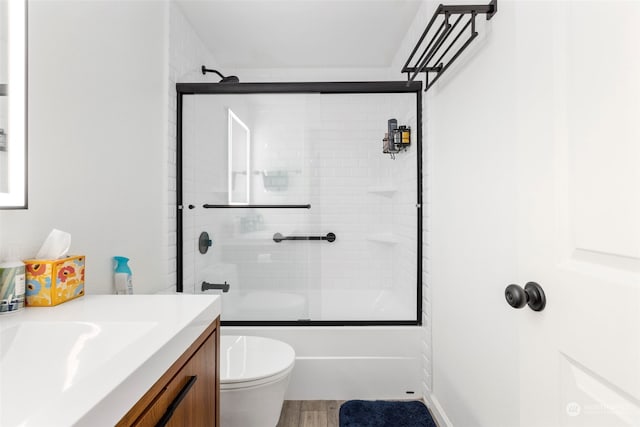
column 172, row 407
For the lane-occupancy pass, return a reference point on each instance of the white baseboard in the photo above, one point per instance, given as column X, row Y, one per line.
column 440, row 417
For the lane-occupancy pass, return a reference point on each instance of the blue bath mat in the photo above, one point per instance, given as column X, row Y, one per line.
column 381, row 413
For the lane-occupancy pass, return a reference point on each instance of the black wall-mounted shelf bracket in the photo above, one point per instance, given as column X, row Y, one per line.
column 444, row 46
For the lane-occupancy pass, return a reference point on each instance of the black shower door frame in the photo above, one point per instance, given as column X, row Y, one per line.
column 183, row 89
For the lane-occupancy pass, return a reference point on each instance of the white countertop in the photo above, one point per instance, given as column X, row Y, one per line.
column 87, row 361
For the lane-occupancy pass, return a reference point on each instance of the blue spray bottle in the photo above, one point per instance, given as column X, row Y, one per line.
column 122, row 276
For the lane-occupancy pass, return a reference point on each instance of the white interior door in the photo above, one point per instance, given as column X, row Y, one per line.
column 579, row 214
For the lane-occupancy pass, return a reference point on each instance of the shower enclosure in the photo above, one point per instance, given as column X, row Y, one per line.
column 287, row 202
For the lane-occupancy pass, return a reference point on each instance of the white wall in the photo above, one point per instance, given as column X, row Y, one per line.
column 471, row 134
column 97, row 137
column 475, row 118
column 4, row 176
column 249, row 75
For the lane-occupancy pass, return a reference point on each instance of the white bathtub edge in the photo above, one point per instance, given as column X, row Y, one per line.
column 342, row 363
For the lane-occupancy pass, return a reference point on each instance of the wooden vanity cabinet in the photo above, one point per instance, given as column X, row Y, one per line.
column 188, row 394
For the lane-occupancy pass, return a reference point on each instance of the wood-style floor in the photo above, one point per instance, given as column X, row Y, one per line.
column 310, row 413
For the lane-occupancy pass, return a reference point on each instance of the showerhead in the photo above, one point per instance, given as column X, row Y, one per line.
column 227, row 79
column 230, row 79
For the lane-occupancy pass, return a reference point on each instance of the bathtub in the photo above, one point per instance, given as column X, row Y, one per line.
column 338, row 362
column 341, row 363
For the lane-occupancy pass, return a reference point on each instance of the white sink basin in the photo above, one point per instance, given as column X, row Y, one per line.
column 69, row 350
column 87, row 361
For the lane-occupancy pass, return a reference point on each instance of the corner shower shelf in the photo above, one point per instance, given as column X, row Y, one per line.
column 383, row 190
column 387, row 238
column 439, row 45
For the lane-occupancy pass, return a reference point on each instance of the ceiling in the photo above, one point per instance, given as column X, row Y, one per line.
column 301, row 33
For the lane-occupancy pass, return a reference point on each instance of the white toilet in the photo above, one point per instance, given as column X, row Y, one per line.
column 254, row 374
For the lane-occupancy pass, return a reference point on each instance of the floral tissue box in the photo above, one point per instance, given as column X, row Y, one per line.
column 52, row 282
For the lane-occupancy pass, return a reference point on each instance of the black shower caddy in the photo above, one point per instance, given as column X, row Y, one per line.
column 435, row 58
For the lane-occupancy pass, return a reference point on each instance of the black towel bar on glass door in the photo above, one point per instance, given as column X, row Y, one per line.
column 330, row 237
column 224, row 287
column 208, row 206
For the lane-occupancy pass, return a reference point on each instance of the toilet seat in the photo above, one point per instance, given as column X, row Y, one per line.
column 248, row 361
column 256, row 383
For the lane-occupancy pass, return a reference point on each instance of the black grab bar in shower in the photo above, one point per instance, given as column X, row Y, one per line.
column 209, row 206
column 224, row 287
column 330, row 237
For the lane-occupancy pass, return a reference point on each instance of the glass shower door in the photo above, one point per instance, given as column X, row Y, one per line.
column 248, row 164
column 309, row 219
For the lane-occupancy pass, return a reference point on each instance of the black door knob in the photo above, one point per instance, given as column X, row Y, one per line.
column 532, row 294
